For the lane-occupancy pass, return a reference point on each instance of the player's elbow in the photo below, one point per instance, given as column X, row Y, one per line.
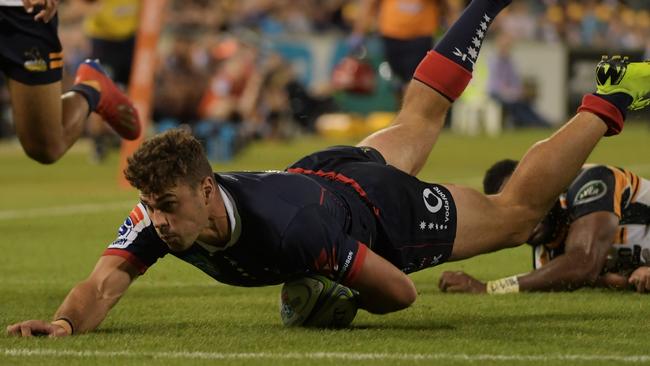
column 398, row 298
column 408, row 295
column 392, row 297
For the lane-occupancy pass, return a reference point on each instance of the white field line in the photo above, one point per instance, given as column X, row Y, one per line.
column 86, row 208
column 343, row 356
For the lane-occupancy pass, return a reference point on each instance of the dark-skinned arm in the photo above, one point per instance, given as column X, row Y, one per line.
column 587, row 244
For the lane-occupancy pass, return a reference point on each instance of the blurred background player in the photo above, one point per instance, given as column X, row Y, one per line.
column 407, row 29
column 597, row 234
column 506, row 86
column 111, row 27
column 46, row 122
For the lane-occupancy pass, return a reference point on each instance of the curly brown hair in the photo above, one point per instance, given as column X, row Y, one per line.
column 166, row 160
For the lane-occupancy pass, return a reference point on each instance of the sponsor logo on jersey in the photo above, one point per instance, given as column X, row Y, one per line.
column 432, row 205
column 591, row 191
column 348, row 261
column 434, row 200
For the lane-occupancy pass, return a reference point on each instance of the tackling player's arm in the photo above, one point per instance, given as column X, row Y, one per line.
column 590, row 238
column 87, row 303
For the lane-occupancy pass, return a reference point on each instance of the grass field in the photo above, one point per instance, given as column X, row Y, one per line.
column 56, row 220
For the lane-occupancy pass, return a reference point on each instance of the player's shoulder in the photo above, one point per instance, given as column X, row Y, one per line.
column 592, row 182
column 134, row 224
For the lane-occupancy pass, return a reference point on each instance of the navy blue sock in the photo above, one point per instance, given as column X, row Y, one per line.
column 620, row 100
column 462, row 42
column 91, row 94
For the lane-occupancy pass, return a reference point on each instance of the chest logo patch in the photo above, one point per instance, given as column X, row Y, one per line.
column 591, row 191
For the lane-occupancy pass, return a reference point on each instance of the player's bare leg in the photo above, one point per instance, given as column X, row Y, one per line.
column 47, row 124
column 439, row 79
column 407, row 142
column 494, row 222
column 489, row 223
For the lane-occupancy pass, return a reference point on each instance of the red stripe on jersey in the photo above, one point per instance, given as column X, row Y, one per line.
column 136, row 215
column 337, row 177
column 130, row 257
column 355, row 269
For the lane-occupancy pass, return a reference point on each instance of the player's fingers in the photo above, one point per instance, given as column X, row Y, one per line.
column 442, row 282
column 13, row 329
column 50, row 9
column 25, row 330
column 639, row 285
column 646, row 285
column 448, row 279
column 456, row 288
column 27, row 4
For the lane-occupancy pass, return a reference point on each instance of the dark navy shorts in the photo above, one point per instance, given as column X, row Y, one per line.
column 404, row 55
column 416, row 221
column 115, row 57
column 30, row 51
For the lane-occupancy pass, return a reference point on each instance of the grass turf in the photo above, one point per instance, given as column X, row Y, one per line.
column 177, row 315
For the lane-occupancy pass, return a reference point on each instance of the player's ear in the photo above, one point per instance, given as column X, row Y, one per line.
column 208, row 188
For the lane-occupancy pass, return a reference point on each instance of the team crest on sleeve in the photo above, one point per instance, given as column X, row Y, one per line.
column 591, row 191
column 129, row 230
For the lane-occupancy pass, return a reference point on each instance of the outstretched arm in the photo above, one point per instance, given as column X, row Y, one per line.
column 87, row 303
column 587, row 244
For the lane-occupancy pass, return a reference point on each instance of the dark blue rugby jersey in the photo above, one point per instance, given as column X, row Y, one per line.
column 291, row 224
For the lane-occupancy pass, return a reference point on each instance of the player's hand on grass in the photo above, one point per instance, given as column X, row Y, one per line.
column 47, row 9
column 31, row 328
column 640, row 278
column 614, row 281
column 460, row 282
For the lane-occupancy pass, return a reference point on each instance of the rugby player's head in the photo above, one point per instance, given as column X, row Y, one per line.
column 552, row 229
column 176, row 186
column 497, row 175
column 166, row 160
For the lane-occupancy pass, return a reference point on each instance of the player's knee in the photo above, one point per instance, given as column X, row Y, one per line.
column 43, row 153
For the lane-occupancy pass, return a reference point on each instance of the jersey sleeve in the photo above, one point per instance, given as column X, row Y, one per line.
column 595, row 189
column 137, row 241
column 317, row 241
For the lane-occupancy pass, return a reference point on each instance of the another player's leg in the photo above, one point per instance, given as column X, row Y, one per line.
column 494, row 222
column 107, row 100
column 439, row 79
column 46, row 123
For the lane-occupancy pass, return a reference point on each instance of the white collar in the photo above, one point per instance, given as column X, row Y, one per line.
column 233, row 219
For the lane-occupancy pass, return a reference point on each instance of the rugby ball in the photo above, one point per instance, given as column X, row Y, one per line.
column 317, row 301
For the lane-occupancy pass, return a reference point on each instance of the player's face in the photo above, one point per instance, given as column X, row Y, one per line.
column 179, row 215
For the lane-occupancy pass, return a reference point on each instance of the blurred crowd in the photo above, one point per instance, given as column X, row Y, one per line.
column 218, row 72
column 603, row 24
